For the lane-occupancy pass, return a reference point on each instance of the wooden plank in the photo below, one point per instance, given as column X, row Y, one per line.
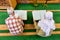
column 53, row 1
column 3, row 7
column 57, row 24
column 33, row 10
column 38, row 1
column 26, row 33
column 25, row 1
column 3, row 10
column 47, row 10
column 56, row 32
column 54, row 10
column 48, row 1
column 27, row 26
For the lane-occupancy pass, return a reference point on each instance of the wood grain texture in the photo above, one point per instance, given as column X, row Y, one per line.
column 27, row 26
column 26, row 33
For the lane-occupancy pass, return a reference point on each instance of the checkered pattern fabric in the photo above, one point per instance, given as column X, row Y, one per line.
column 15, row 25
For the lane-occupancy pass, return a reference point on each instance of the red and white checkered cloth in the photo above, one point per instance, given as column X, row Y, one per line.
column 15, row 25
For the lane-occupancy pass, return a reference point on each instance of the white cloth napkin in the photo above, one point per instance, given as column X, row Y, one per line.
column 21, row 13
column 38, row 14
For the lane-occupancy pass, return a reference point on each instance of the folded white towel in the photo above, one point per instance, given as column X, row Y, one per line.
column 21, row 13
column 38, row 14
